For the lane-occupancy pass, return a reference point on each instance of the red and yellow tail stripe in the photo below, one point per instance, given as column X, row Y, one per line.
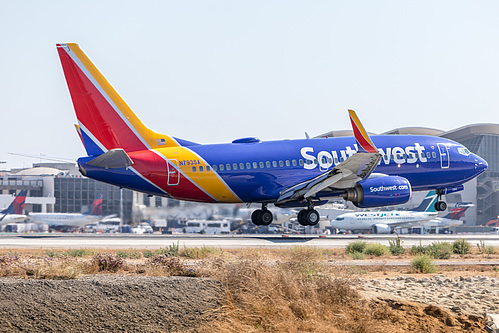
column 361, row 135
column 107, row 122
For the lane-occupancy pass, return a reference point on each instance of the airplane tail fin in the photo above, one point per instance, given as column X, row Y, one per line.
column 96, row 208
column 17, row 205
column 457, row 212
column 105, row 120
column 428, row 203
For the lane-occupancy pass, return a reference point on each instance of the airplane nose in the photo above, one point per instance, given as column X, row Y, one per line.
column 480, row 164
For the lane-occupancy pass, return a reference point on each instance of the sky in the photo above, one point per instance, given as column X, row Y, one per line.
column 213, row 71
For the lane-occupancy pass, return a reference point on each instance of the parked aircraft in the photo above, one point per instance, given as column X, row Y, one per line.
column 370, row 172
column 70, row 219
column 385, row 222
column 14, row 213
column 452, row 219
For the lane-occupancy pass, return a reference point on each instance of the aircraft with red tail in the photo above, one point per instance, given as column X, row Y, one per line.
column 369, row 171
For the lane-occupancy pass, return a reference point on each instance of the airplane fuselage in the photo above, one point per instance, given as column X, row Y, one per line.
column 254, row 171
column 365, row 220
column 63, row 219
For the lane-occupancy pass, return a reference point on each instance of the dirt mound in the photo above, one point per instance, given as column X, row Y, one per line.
column 103, row 303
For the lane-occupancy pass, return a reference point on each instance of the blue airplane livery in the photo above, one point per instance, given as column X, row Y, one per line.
column 368, row 171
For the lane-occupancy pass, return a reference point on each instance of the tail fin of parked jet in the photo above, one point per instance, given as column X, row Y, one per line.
column 457, row 212
column 105, row 120
column 96, row 208
column 428, row 203
column 17, row 205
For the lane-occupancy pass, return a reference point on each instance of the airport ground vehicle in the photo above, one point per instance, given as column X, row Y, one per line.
column 209, row 227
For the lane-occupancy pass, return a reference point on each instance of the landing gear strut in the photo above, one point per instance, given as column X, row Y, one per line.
column 262, row 216
column 440, row 205
column 308, row 216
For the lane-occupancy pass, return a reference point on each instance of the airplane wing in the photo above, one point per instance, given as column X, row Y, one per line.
column 355, row 168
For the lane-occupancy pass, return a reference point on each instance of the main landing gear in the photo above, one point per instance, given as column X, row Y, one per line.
column 262, row 216
column 440, row 205
column 306, row 217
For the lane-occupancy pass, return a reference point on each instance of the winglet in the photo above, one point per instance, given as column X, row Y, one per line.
column 363, row 139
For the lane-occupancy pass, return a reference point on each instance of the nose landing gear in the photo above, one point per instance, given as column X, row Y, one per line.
column 440, row 205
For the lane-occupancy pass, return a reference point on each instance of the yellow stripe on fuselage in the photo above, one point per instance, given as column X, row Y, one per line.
column 206, row 180
column 152, row 138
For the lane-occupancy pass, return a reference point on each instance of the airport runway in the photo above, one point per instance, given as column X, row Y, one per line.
column 128, row 241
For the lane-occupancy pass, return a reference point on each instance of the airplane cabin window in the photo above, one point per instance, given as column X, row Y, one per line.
column 267, row 164
column 241, row 166
column 201, row 169
column 227, row 167
column 261, row 165
column 248, row 165
column 255, row 165
column 221, row 167
column 274, row 164
column 293, row 162
column 281, row 164
column 288, row 163
column 301, row 162
column 207, row 168
column 193, row 169
column 428, row 155
column 234, row 166
column 433, row 154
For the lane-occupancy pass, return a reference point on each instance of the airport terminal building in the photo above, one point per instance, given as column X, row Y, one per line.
column 59, row 187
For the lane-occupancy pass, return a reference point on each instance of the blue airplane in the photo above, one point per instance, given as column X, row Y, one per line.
column 370, row 172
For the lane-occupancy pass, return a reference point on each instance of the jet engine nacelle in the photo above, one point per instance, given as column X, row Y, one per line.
column 381, row 229
column 379, row 191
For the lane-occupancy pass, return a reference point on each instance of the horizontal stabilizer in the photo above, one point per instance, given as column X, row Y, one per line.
column 112, row 159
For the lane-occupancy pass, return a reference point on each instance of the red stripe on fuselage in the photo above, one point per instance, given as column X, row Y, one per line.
column 155, row 169
column 95, row 112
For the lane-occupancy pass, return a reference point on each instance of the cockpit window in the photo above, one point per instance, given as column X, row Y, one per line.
column 463, row 151
column 340, row 218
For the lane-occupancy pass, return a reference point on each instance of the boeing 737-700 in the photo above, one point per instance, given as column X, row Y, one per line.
column 370, row 172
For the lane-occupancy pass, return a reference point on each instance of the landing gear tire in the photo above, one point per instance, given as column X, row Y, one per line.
column 262, row 217
column 308, row 217
column 255, row 217
column 440, row 206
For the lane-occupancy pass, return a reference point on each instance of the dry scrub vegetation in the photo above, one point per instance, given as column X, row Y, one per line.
column 289, row 290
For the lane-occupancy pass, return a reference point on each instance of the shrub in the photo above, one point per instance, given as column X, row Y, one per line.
column 418, row 249
column 461, row 247
column 357, row 246
column 357, row 256
column 171, row 265
column 198, row 253
column 396, row 246
column 440, row 250
column 129, row 254
column 108, row 262
column 423, row 264
column 375, row 249
column 170, row 251
column 76, row 253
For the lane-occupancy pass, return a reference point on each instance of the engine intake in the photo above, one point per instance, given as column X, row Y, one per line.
column 380, row 191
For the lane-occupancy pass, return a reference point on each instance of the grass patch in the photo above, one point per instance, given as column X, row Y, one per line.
column 357, row 246
column 423, row 264
column 375, row 249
